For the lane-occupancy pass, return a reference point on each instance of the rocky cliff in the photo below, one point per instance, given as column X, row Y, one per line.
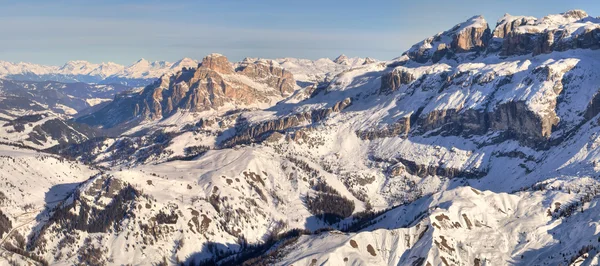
column 214, row 85
column 471, row 36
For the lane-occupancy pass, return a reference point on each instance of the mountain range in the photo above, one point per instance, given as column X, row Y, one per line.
column 144, row 72
column 137, row 74
column 476, row 146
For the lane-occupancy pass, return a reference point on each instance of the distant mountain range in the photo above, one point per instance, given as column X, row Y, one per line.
column 140, row 73
column 144, row 72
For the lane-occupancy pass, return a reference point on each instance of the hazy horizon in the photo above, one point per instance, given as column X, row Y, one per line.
column 111, row 31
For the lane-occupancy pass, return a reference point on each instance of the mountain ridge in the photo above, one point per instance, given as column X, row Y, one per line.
column 477, row 146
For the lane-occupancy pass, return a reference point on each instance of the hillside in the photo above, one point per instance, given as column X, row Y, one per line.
column 477, row 146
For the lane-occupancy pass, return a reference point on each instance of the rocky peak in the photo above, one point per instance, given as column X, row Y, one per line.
column 472, row 35
column 342, row 59
column 218, row 63
column 269, row 72
column 571, row 15
column 509, row 23
column 141, row 61
column 213, row 85
column 526, row 35
column 513, row 35
column 185, row 62
column 369, row 60
column 76, row 65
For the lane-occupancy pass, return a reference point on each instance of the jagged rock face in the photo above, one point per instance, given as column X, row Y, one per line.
column 270, row 73
column 400, row 128
column 213, row 85
column 258, row 132
column 513, row 35
column 393, row 80
column 441, row 104
column 525, row 35
column 471, row 36
column 515, row 43
column 513, row 117
column 218, row 63
column 508, row 24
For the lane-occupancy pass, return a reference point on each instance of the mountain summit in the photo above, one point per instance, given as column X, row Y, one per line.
column 213, row 85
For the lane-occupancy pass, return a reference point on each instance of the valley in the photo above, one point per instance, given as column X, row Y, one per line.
column 476, row 146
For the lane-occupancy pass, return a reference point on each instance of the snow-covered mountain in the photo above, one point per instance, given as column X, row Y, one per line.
column 140, row 73
column 477, row 146
column 321, row 70
column 144, row 72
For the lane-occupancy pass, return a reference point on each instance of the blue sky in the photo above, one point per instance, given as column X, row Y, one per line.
column 53, row 32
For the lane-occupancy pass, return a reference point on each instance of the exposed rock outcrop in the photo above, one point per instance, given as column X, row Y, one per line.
column 391, row 81
column 527, row 35
column 513, row 118
column 508, row 24
column 218, row 63
column 402, row 165
column 471, row 36
column 270, row 73
column 513, row 35
column 253, row 133
column 400, row 128
column 213, row 85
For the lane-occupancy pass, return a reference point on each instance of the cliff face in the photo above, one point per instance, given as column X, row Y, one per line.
column 214, row 85
column 513, row 35
column 471, row 36
column 463, row 81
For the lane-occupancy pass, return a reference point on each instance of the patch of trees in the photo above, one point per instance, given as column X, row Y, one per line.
column 163, row 218
column 363, row 219
column 141, row 148
column 74, row 150
column 571, row 208
column 303, row 166
column 191, row 153
column 195, row 150
column 255, row 254
column 91, row 219
column 9, row 247
column 18, row 145
column 5, row 224
column 328, row 204
column 90, row 255
column 583, row 250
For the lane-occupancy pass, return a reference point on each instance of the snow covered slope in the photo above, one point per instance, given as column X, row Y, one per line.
column 477, row 146
column 32, row 184
column 321, row 70
column 465, row 226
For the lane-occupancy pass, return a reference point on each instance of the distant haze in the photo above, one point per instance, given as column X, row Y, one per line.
column 53, row 32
